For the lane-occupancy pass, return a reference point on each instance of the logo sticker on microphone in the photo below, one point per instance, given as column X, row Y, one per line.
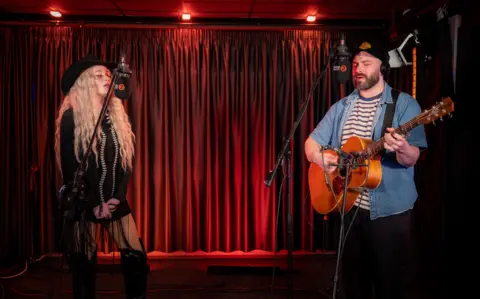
column 121, row 87
column 343, row 68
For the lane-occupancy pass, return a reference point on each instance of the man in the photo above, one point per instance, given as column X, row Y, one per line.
column 375, row 244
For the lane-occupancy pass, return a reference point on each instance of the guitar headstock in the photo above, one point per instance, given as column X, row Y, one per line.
column 437, row 111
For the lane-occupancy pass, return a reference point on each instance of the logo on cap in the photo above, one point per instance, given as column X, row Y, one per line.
column 365, row 46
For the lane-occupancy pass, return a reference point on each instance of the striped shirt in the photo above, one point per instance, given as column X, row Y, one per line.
column 359, row 124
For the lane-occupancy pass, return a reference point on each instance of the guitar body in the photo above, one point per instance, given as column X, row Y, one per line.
column 324, row 199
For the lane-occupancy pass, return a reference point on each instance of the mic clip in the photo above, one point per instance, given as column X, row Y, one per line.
column 342, row 50
column 339, row 152
column 123, row 69
column 344, row 159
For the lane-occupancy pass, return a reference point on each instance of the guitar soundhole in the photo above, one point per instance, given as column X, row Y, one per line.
column 339, row 184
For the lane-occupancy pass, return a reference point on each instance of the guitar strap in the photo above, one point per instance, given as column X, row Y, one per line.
column 389, row 112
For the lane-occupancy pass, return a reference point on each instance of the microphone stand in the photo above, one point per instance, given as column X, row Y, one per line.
column 286, row 154
column 348, row 162
column 74, row 204
column 342, row 225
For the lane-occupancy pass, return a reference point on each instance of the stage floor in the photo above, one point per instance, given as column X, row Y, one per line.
column 212, row 277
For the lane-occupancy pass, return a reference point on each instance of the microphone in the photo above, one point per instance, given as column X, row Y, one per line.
column 339, row 152
column 122, row 88
column 342, row 67
column 344, row 159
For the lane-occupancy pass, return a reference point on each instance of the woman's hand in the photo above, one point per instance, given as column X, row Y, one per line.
column 102, row 211
column 112, row 204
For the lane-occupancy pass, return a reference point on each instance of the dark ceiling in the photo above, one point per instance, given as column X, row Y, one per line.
column 256, row 9
column 237, row 10
column 277, row 9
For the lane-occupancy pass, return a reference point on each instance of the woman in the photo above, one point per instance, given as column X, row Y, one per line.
column 104, row 185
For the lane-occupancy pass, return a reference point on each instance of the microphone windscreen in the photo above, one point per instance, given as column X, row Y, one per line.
column 342, row 70
column 122, row 88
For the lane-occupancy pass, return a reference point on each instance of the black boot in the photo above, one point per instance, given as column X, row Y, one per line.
column 135, row 269
column 83, row 275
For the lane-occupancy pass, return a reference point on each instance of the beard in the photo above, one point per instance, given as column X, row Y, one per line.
column 369, row 81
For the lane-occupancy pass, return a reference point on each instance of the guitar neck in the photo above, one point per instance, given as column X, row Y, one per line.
column 437, row 111
column 377, row 146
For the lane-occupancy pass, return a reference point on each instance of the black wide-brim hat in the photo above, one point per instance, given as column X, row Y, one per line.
column 74, row 71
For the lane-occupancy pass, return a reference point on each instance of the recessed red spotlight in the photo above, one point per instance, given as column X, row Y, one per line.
column 186, row 16
column 311, row 18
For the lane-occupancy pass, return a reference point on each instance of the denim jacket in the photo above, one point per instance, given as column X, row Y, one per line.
column 397, row 191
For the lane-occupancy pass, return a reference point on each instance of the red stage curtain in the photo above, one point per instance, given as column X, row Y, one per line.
column 209, row 109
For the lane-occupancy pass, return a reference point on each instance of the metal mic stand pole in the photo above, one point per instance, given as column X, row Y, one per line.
column 345, row 163
column 286, row 154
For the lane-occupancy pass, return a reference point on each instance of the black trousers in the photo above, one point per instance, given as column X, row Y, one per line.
column 375, row 253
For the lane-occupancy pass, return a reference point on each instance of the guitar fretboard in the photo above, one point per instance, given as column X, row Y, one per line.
column 377, row 146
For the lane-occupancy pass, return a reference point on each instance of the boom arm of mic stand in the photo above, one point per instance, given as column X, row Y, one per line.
column 283, row 151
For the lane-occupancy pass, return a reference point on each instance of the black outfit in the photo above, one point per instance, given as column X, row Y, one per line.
column 101, row 183
column 109, row 170
column 375, row 252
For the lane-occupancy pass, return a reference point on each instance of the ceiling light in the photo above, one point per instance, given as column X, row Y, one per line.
column 56, row 13
column 186, row 16
column 311, row 18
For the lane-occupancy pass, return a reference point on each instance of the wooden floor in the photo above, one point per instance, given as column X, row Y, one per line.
column 194, row 278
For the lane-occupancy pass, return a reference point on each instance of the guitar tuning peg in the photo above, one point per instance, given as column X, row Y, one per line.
column 450, row 115
column 433, row 123
column 441, row 118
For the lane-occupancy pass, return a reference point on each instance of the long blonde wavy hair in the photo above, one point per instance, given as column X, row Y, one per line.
column 81, row 100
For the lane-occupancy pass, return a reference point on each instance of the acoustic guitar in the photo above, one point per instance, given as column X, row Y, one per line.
column 364, row 163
